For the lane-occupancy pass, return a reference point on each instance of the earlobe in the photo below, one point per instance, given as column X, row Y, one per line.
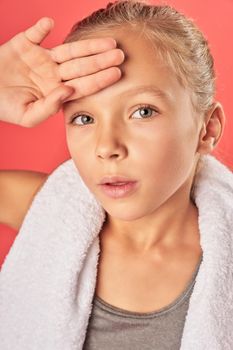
column 212, row 128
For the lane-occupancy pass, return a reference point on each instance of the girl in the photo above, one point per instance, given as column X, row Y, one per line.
column 128, row 244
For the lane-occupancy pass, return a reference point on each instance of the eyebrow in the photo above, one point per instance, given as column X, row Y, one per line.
column 141, row 89
column 151, row 89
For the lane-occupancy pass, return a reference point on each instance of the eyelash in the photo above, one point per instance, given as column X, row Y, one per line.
column 140, row 107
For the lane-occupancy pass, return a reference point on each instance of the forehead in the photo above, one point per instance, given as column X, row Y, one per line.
column 139, row 50
column 142, row 66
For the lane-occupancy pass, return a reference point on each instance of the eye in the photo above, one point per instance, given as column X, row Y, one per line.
column 83, row 118
column 145, row 111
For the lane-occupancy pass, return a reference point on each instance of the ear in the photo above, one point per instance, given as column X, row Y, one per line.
column 212, row 128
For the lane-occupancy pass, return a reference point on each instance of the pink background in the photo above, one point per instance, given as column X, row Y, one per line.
column 43, row 147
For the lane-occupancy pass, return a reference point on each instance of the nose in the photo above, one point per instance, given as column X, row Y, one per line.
column 110, row 144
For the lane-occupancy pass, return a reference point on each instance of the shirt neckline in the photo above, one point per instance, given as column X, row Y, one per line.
column 102, row 304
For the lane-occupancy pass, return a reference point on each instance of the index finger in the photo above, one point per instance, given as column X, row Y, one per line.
column 81, row 48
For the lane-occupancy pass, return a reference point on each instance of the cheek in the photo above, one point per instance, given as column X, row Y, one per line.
column 81, row 157
column 85, row 167
column 167, row 156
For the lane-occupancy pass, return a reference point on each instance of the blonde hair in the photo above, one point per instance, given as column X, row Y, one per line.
column 176, row 38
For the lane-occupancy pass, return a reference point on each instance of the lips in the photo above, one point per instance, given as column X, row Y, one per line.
column 115, row 180
column 118, row 190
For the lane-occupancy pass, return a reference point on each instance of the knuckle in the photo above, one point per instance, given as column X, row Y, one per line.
column 98, row 62
column 78, row 67
column 90, row 44
column 71, row 49
column 100, row 81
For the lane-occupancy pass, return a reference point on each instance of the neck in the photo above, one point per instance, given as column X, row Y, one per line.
column 171, row 227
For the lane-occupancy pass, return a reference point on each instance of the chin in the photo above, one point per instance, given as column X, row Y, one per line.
column 125, row 214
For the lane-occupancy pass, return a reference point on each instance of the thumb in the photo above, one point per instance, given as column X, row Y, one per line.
column 47, row 106
column 40, row 30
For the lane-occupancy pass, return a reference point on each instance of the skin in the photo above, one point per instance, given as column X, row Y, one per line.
column 36, row 81
column 150, row 241
column 160, row 151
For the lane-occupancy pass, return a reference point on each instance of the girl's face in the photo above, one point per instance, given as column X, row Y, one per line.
column 142, row 127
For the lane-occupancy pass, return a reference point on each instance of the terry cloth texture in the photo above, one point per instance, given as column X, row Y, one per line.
column 48, row 279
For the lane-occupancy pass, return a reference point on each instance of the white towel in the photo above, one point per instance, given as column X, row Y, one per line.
column 48, row 279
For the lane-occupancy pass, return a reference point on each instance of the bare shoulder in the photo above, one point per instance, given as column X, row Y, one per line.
column 17, row 190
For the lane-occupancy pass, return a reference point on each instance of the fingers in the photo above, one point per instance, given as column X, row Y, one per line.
column 42, row 109
column 89, row 65
column 40, row 30
column 90, row 84
column 81, row 48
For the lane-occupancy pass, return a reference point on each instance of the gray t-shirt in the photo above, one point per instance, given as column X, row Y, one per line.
column 112, row 328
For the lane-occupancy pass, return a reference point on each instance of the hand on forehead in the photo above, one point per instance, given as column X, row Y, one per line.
column 134, row 55
column 141, row 70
